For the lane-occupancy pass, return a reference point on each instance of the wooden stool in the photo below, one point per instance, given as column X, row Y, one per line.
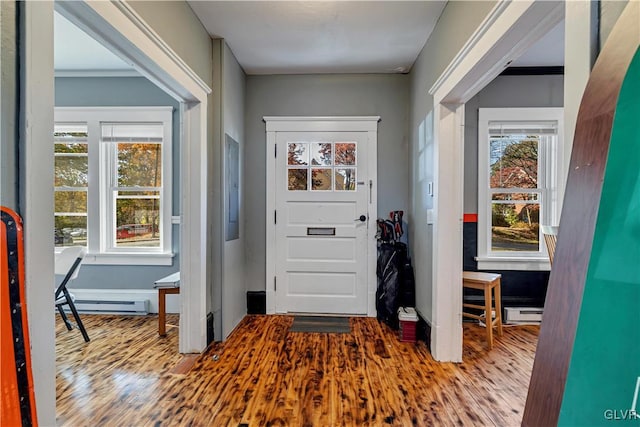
column 485, row 282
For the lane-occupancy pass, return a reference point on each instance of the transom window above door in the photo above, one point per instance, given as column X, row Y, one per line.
column 322, row 166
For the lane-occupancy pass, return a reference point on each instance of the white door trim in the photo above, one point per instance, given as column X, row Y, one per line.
column 36, row 199
column 118, row 26
column 509, row 29
column 367, row 124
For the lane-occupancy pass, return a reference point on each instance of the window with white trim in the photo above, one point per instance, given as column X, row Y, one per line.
column 113, row 173
column 519, row 171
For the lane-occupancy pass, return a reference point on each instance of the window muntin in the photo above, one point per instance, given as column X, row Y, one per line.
column 126, row 173
column 320, row 166
column 519, row 159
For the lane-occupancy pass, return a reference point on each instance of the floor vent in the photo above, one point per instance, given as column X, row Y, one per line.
column 119, row 307
column 523, row 314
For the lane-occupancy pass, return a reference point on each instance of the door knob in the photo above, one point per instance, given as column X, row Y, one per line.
column 361, row 218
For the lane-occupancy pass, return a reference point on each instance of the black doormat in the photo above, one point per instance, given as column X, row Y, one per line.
column 321, row 324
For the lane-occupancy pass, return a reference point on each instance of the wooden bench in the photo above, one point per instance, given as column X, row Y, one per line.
column 166, row 286
column 485, row 282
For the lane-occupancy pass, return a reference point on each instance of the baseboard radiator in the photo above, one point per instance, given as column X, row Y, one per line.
column 523, row 315
column 113, row 307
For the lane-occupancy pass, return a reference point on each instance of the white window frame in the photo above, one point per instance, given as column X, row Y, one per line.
column 550, row 166
column 100, row 217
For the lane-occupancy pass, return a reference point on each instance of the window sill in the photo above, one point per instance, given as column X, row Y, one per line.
column 513, row 263
column 127, row 258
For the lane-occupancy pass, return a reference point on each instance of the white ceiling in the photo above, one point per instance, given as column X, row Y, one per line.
column 305, row 37
column 75, row 51
column 285, row 37
column 546, row 52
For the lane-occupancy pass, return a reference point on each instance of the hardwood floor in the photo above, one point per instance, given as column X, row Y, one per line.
column 265, row 375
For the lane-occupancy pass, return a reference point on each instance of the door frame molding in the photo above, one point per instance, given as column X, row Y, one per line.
column 507, row 32
column 274, row 125
column 117, row 25
column 123, row 30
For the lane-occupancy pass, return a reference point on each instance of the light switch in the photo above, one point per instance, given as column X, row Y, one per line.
column 430, row 216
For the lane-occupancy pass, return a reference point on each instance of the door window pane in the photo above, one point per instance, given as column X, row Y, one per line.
column 513, row 161
column 321, row 154
column 345, row 179
column 333, row 156
column 297, row 153
column 297, row 179
column 345, row 153
column 321, row 179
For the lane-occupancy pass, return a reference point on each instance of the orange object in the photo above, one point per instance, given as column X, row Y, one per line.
column 17, row 397
column 470, row 217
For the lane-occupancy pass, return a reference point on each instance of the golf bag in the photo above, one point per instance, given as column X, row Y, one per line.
column 396, row 285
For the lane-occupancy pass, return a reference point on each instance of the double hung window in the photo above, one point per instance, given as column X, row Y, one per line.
column 113, row 183
column 519, row 170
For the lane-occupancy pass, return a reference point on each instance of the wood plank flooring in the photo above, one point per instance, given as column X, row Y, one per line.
column 268, row 376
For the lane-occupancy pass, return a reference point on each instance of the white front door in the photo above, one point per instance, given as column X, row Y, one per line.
column 323, row 194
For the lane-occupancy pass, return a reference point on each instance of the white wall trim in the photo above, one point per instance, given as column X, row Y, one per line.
column 129, row 258
column 116, row 25
column 137, row 20
column 97, row 73
column 446, row 323
column 526, row 20
column 372, row 226
column 113, row 27
column 512, row 263
column 580, row 52
column 172, row 300
column 475, row 38
column 270, row 228
column 120, row 28
column 36, row 198
column 322, row 124
column 509, row 30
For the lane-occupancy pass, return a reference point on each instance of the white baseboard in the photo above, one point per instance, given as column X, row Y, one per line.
column 173, row 301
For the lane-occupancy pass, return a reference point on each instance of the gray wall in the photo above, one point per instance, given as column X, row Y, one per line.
column 180, row 28
column 234, row 305
column 456, row 24
column 503, row 92
column 215, row 196
column 8, row 106
column 124, row 91
column 385, row 95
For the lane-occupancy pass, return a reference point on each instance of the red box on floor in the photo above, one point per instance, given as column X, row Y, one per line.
column 408, row 320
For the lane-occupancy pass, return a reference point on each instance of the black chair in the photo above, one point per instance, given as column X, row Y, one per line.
column 67, row 265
